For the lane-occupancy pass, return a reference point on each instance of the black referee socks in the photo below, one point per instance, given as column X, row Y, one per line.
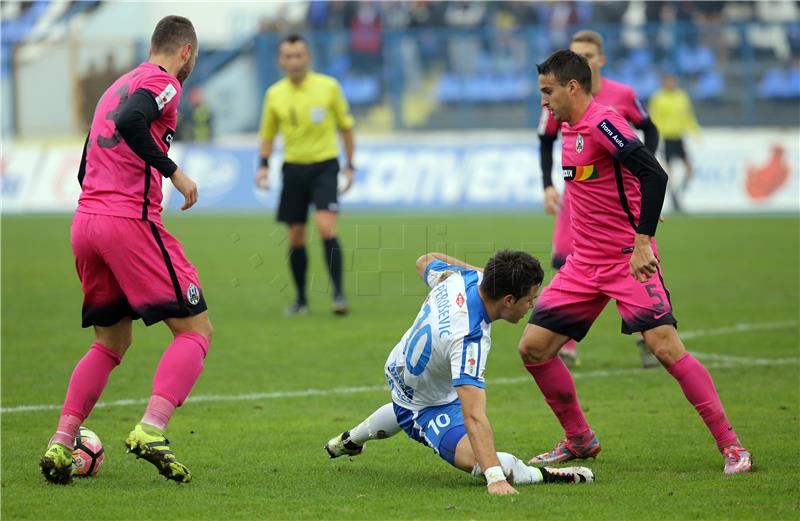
column 333, row 259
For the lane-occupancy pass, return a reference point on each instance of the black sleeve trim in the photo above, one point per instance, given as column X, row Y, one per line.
column 653, row 179
column 82, row 167
column 546, row 143
column 650, row 134
column 133, row 124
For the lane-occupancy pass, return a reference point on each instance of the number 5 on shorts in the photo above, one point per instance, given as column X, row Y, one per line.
column 652, row 291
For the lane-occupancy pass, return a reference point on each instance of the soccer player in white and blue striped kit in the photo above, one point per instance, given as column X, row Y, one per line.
column 436, row 371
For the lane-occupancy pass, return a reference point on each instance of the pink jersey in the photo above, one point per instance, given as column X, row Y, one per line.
column 605, row 196
column 614, row 94
column 118, row 182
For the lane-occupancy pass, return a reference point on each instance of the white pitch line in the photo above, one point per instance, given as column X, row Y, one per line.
column 723, row 362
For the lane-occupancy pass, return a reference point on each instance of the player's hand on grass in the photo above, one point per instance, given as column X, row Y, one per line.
column 552, row 200
column 186, row 187
column 643, row 262
column 501, row 488
column 262, row 178
column 348, row 175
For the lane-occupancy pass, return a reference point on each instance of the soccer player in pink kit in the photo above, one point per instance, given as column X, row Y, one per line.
column 621, row 98
column 617, row 189
column 130, row 267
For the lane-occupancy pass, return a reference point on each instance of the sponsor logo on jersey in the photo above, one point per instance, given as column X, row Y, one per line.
column 579, row 143
column 615, row 136
column 166, row 96
column 193, row 295
column 460, row 300
column 579, row 173
column 168, row 136
column 471, row 365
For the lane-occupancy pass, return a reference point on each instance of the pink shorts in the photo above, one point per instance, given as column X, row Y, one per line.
column 130, row 267
column 562, row 234
column 579, row 292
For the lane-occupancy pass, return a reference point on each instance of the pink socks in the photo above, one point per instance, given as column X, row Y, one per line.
column 179, row 368
column 177, row 372
column 558, row 388
column 699, row 389
column 88, row 380
column 159, row 411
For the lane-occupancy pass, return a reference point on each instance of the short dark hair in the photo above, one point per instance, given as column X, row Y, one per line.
column 511, row 272
column 293, row 38
column 566, row 65
column 171, row 33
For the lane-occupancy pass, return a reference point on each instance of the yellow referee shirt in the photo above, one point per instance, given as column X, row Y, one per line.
column 308, row 115
column 671, row 111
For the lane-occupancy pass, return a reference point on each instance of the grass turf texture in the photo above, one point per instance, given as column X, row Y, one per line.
column 263, row 458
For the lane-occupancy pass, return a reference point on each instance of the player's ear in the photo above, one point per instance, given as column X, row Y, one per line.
column 601, row 60
column 186, row 52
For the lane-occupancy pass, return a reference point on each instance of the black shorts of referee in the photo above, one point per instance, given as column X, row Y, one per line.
column 673, row 149
column 306, row 184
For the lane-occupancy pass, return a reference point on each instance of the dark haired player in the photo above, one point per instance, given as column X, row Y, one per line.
column 436, row 371
column 617, row 189
column 621, row 98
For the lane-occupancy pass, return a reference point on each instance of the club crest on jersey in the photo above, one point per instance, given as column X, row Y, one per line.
column 460, row 300
column 193, row 295
column 579, row 143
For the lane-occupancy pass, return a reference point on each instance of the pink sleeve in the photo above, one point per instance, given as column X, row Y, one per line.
column 548, row 126
column 165, row 89
column 634, row 109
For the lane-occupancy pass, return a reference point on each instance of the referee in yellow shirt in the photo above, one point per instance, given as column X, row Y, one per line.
column 671, row 111
column 307, row 108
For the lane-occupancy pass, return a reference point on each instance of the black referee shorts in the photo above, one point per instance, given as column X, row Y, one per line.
column 673, row 149
column 305, row 184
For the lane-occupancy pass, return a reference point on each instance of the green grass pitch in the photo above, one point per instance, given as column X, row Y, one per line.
column 275, row 389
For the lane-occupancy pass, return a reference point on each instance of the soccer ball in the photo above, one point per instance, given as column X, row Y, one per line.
column 88, row 455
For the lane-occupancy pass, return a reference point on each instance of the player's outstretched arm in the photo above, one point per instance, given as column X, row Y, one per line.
column 481, row 449
column 426, row 259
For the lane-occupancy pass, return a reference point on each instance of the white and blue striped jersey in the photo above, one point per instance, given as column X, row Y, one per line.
column 448, row 343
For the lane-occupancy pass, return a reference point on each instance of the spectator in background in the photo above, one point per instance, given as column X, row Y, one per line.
column 464, row 46
column 110, row 73
column 89, row 94
column 671, row 111
column 197, row 122
column 365, row 38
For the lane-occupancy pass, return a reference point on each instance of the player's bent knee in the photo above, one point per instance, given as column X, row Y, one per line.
column 535, row 347
column 665, row 344
column 117, row 338
column 531, row 353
